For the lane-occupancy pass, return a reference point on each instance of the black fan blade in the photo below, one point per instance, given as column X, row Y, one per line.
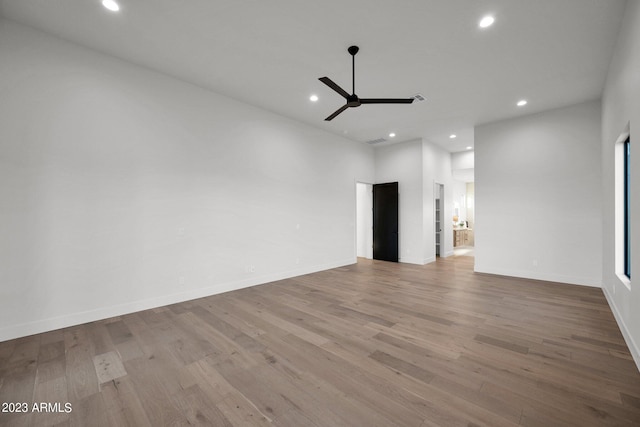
column 386, row 100
column 332, row 85
column 338, row 111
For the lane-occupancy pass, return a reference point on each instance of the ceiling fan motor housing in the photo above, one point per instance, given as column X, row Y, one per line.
column 353, row 100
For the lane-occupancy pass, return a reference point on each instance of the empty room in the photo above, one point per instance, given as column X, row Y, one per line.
column 295, row 213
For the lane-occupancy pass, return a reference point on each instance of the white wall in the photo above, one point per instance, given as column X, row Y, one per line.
column 620, row 108
column 462, row 166
column 538, row 201
column 417, row 166
column 462, row 160
column 403, row 163
column 123, row 189
column 436, row 167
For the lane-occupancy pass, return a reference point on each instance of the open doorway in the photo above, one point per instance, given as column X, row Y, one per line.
column 364, row 220
column 377, row 221
column 464, row 219
column 438, row 192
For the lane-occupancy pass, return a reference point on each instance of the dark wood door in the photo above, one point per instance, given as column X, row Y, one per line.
column 385, row 221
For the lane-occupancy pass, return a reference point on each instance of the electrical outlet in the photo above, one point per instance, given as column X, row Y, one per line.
column 181, row 280
column 535, row 262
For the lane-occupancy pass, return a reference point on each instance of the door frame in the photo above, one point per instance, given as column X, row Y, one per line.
column 438, row 193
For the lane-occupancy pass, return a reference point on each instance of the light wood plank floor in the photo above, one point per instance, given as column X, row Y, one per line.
column 373, row 344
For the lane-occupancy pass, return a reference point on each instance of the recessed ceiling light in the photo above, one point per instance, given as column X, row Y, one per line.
column 469, row 148
column 392, row 135
column 111, row 5
column 522, row 103
column 313, row 98
column 452, row 136
column 486, row 21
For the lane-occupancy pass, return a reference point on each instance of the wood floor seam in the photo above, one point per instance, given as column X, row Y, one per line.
column 370, row 344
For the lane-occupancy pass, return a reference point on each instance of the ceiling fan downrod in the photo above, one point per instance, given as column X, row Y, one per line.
column 352, row 99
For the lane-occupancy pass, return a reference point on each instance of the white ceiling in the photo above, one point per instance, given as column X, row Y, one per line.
column 271, row 53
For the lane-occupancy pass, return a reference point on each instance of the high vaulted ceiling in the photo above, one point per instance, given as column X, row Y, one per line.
column 270, row 54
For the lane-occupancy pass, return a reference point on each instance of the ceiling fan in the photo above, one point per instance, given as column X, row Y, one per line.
column 353, row 100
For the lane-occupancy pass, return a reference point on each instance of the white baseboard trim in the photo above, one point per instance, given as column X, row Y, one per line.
column 411, row 260
column 536, row 275
column 429, row 260
column 633, row 347
column 78, row 318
